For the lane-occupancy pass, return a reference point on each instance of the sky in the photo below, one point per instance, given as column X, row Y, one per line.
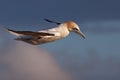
column 29, row 11
column 72, row 57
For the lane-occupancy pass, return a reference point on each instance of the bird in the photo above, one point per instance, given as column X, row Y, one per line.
column 62, row 30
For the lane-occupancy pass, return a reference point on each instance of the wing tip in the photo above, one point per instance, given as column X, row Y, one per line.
column 48, row 20
column 9, row 29
column 13, row 32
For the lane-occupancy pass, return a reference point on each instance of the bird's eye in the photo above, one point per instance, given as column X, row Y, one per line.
column 75, row 29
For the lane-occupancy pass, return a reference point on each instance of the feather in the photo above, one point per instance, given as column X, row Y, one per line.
column 31, row 33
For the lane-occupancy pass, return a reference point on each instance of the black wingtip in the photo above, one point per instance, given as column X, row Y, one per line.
column 47, row 20
column 52, row 21
column 9, row 29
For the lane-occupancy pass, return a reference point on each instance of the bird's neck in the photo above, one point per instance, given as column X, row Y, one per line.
column 63, row 30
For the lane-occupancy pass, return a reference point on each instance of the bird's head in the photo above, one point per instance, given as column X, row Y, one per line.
column 73, row 27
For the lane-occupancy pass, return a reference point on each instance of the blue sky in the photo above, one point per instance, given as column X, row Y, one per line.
column 31, row 12
column 98, row 19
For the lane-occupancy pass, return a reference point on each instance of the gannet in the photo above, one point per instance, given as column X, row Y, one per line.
column 44, row 36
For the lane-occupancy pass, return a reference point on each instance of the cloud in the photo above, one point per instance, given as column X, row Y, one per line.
column 26, row 62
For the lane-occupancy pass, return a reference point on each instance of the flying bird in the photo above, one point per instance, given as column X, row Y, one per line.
column 44, row 36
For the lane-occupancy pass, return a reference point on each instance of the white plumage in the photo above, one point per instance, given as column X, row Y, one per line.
column 49, row 35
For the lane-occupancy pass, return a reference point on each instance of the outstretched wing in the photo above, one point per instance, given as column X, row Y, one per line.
column 52, row 21
column 30, row 33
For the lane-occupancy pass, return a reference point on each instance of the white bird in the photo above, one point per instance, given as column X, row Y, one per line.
column 49, row 35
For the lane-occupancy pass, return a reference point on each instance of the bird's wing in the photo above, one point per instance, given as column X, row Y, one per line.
column 30, row 33
column 52, row 21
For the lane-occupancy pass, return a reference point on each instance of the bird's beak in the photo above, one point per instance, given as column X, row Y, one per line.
column 80, row 33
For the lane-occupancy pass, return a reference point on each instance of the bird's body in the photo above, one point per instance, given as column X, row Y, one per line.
column 45, row 36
